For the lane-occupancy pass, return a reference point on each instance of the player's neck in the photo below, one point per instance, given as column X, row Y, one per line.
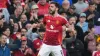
column 55, row 14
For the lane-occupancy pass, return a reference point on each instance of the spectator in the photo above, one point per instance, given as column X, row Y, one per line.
column 71, row 12
column 15, row 29
column 43, row 7
column 72, row 22
column 38, row 41
column 2, row 23
column 32, row 32
column 17, row 13
column 33, row 16
column 29, row 4
column 65, row 6
column 90, row 40
column 91, row 13
column 23, row 33
column 5, row 12
column 63, row 13
column 40, row 20
column 68, row 40
column 4, row 49
column 80, row 6
column 97, row 52
column 97, row 17
column 23, row 21
column 24, row 50
column 82, row 22
column 13, row 5
column 6, row 31
column 75, row 47
column 28, row 26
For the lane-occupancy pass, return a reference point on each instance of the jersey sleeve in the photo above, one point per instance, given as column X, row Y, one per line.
column 64, row 21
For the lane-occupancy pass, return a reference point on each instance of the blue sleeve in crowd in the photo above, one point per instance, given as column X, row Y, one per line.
column 70, row 2
column 60, row 1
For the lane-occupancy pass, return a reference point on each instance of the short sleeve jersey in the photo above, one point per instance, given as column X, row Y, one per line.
column 53, row 34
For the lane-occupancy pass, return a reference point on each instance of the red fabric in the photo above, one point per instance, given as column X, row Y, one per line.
column 13, row 36
column 64, row 51
column 3, row 3
column 19, row 53
column 53, row 34
column 97, row 53
column 37, row 44
column 43, row 9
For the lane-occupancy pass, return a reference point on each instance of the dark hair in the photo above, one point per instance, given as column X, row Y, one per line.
column 91, row 3
column 41, row 30
column 61, row 11
column 98, row 43
column 56, row 4
column 34, row 30
column 90, row 26
column 41, row 16
column 72, row 7
column 5, row 28
column 71, row 17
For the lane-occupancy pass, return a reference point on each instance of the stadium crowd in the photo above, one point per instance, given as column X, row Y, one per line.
column 22, row 29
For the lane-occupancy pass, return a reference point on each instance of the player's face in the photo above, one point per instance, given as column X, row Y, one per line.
column 52, row 9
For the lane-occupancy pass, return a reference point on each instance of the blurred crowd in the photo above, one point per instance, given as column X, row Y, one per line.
column 22, row 29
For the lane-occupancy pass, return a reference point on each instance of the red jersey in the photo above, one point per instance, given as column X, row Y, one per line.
column 53, row 34
column 96, row 53
column 3, row 3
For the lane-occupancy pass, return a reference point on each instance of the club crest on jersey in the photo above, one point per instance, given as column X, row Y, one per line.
column 48, row 20
column 38, row 43
column 57, row 22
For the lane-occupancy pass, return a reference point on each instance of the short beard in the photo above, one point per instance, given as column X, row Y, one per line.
column 52, row 13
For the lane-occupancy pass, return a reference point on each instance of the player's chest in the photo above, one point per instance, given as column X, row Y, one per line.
column 56, row 21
